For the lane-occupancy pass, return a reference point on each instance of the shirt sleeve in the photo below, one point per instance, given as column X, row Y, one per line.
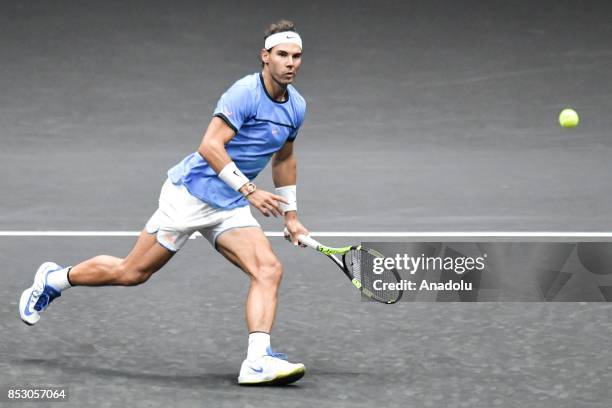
column 235, row 106
column 300, row 120
column 293, row 135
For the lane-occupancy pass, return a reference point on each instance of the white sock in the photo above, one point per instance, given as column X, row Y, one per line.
column 258, row 345
column 59, row 279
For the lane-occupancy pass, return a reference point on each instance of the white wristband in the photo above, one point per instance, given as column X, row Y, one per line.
column 289, row 193
column 232, row 176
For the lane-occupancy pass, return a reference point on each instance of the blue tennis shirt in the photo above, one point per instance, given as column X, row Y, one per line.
column 262, row 127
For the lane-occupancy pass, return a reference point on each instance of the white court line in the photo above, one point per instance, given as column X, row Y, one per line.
column 69, row 233
column 380, row 234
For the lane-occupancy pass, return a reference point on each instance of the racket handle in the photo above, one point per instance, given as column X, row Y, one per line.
column 305, row 240
column 309, row 241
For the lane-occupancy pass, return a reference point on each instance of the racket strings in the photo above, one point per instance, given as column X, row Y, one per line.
column 355, row 261
column 361, row 263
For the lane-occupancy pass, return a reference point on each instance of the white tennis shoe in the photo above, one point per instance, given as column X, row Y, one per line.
column 270, row 369
column 36, row 298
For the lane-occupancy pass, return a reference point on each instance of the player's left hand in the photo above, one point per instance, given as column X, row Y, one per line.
column 294, row 228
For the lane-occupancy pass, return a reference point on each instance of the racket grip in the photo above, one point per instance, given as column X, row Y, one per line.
column 309, row 241
column 305, row 240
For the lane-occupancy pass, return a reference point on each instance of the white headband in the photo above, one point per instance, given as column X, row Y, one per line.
column 283, row 37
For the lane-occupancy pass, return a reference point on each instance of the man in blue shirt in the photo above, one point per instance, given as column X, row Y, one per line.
column 255, row 121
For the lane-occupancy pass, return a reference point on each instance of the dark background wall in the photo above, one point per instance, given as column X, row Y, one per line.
column 442, row 114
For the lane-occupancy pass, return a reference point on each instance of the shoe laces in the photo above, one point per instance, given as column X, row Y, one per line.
column 271, row 353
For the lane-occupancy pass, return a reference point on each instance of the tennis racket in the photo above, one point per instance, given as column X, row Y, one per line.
column 357, row 263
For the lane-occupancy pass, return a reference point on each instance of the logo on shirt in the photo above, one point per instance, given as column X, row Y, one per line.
column 275, row 131
column 228, row 112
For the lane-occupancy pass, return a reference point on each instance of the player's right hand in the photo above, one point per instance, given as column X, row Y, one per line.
column 266, row 202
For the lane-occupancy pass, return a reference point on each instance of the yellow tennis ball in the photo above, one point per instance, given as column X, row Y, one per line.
column 568, row 118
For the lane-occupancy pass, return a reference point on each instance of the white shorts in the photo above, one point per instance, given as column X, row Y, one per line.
column 180, row 215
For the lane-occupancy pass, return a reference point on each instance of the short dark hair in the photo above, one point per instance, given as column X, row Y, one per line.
column 278, row 27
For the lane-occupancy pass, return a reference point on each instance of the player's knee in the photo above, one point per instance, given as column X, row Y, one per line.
column 136, row 278
column 131, row 276
column 269, row 272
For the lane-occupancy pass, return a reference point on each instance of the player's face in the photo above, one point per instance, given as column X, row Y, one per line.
column 283, row 62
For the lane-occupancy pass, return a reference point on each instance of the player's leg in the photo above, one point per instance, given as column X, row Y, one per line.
column 156, row 245
column 50, row 280
column 146, row 258
column 250, row 249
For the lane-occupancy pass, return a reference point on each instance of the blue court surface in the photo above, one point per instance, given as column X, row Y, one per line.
column 422, row 117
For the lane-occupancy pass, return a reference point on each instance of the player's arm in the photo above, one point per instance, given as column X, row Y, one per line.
column 284, row 166
column 212, row 149
column 284, row 175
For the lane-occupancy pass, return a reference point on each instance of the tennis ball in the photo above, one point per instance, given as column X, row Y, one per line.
column 568, row 118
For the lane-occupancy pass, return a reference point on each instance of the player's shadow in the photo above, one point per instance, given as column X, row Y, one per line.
column 208, row 380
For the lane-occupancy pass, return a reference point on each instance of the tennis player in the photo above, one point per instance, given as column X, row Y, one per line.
column 256, row 119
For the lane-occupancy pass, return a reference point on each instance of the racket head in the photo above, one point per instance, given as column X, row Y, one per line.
column 359, row 266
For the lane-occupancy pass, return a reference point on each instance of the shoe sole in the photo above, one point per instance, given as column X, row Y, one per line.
column 23, row 301
column 280, row 380
column 25, row 295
